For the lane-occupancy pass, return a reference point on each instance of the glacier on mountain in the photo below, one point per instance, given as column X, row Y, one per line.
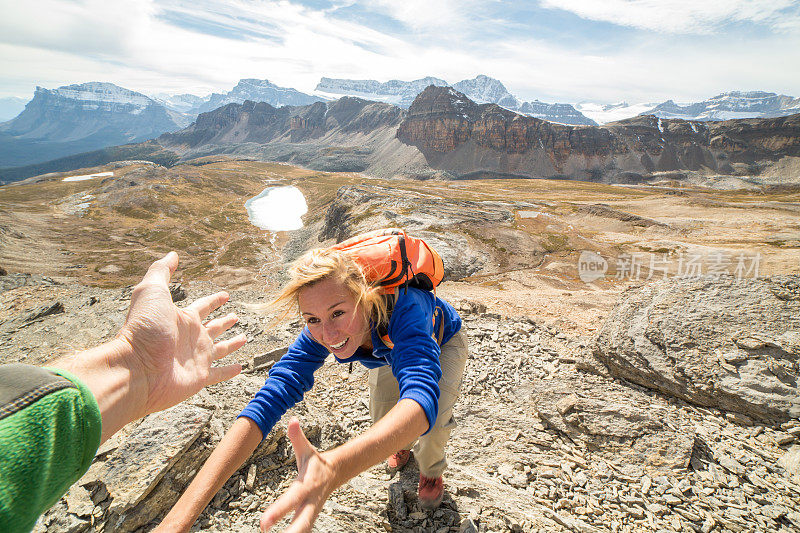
column 731, row 105
column 257, row 91
column 97, row 94
column 482, row 89
column 395, row 92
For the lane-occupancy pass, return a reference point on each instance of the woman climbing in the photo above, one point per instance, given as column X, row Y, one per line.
column 356, row 310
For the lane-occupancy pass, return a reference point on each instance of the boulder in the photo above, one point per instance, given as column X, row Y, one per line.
column 727, row 343
column 619, row 420
column 139, row 463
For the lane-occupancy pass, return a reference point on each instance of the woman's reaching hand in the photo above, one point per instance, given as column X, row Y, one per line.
column 316, row 479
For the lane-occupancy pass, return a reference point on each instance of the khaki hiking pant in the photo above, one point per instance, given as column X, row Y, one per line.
column 384, row 393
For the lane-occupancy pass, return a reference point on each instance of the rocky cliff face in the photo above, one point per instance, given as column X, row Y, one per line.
column 259, row 122
column 79, row 118
column 465, row 138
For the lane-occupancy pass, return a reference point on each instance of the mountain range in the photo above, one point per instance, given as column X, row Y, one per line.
column 725, row 106
column 79, row 118
column 481, row 89
column 447, row 135
column 76, row 119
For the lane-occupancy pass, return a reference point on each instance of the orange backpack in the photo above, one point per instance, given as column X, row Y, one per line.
column 390, row 259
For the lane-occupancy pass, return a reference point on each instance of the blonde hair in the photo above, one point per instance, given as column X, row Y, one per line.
column 325, row 263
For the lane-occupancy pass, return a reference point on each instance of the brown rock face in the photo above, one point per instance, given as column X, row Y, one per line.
column 441, row 119
column 259, row 122
column 448, row 127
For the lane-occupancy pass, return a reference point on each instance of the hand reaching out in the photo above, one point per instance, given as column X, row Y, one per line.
column 161, row 356
column 319, row 474
column 172, row 348
column 315, row 481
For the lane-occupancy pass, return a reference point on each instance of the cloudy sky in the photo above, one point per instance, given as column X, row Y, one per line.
column 553, row 50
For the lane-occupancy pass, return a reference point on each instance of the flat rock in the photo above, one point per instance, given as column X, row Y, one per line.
column 79, row 501
column 725, row 343
column 790, row 461
column 147, row 454
column 619, row 420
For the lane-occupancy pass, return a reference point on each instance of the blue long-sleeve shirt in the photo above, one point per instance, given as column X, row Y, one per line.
column 414, row 360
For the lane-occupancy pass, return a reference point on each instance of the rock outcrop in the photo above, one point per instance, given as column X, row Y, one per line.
column 259, row 122
column 724, row 343
column 464, row 138
column 469, row 235
column 540, row 444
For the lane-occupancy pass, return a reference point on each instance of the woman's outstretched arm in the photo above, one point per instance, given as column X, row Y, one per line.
column 233, row 450
column 319, row 474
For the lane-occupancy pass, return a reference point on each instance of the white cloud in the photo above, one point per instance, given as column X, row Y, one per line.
column 678, row 16
column 129, row 42
column 425, row 15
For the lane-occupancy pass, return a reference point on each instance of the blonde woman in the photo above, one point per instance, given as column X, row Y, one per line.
column 413, row 387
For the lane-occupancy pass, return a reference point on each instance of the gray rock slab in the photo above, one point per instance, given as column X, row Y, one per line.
column 147, row 454
column 726, row 343
column 790, row 461
column 620, row 421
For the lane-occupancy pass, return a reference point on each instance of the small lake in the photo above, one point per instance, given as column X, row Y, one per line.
column 277, row 209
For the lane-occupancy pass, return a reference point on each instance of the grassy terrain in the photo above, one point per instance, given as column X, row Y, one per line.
column 198, row 210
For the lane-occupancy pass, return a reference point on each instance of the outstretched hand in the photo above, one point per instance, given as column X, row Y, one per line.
column 172, row 348
column 316, row 479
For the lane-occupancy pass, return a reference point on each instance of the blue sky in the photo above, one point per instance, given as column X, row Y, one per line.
column 553, row 50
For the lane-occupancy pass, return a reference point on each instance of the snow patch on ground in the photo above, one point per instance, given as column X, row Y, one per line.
column 277, row 209
column 88, row 176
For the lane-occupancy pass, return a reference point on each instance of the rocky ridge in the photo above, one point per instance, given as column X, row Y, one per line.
column 732, row 105
column 547, row 439
column 481, row 89
column 445, row 134
column 255, row 90
column 463, row 138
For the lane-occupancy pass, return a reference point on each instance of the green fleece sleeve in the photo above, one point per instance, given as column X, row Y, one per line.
column 50, row 428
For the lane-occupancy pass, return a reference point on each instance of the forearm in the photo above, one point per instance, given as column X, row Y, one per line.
column 119, row 390
column 404, row 423
column 236, row 446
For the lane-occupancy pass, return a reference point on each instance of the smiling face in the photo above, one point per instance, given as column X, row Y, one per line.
column 333, row 318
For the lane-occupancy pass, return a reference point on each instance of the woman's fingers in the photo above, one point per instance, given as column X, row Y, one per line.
column 289, row 501
column 302, row 448
column 298, row 496
column 205, row 305
column 303, row 519
column 223, row 348
column 219, row 325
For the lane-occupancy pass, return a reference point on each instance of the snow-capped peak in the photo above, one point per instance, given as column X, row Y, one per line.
column 483, row 90
column 101, row 92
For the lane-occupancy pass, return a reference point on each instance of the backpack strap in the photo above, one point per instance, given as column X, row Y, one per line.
column 383, row 329
column 438, row 336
